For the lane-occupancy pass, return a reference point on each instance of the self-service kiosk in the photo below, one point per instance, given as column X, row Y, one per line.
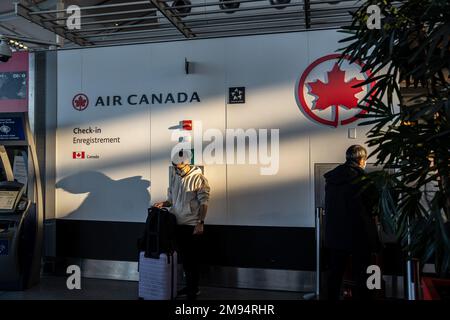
column 21, row 214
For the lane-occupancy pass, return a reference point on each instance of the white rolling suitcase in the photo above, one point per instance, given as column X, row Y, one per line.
column 158, row 277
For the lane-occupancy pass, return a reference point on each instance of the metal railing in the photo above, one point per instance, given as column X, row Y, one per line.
column 318, row 225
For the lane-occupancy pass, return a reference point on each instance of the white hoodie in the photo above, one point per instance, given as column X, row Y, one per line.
column 186, row 194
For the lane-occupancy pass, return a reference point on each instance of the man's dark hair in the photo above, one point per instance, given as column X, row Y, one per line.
column 356, row 153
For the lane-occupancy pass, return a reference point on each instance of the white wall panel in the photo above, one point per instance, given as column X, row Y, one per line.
column 205, row 77
column 115, row 186
column 269, row 70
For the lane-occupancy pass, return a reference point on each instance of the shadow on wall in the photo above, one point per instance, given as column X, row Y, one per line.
column 107, row 199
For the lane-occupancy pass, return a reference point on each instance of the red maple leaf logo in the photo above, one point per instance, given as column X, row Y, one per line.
column 336, row 92
column 80, row 102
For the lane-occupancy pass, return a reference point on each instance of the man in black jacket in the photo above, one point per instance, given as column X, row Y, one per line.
column 349, row 226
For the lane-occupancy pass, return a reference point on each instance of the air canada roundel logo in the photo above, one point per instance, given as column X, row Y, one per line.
column 326, row 92
column 80, row 102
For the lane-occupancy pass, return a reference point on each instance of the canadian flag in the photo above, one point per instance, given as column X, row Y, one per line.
column 78, row 155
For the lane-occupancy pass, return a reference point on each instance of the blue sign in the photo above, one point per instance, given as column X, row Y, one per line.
column 11, row 129
column 3, row 247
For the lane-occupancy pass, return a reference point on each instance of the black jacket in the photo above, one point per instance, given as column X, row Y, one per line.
column 349, row 224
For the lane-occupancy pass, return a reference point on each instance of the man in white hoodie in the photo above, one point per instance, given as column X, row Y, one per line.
column 188, row 197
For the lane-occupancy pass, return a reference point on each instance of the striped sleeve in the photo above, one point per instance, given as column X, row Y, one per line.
column 203, row 192
column 169, row 189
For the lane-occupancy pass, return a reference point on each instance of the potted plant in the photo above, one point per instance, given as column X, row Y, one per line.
column 408, row 109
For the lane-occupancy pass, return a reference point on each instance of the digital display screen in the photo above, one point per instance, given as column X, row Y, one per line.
column 13, row 85
column 7, row 199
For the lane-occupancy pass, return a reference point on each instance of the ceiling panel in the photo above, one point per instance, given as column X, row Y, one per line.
column 111, row 22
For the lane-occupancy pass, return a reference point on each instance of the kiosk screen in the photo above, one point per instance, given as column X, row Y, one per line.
column 8, row 199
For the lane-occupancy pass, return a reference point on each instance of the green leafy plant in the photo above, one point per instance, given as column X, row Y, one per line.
column 410, row 133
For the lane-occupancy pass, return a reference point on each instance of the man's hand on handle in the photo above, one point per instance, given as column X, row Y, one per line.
column 198, row 230
column 158, row 205
column 161, row 204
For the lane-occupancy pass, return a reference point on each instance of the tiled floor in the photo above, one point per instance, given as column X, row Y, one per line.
column 54, row 288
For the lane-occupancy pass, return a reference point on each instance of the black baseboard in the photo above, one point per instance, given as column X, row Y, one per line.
column 290, row 248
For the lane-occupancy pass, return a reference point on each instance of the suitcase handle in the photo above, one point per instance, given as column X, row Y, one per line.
column 154, row 254
column 171, row 276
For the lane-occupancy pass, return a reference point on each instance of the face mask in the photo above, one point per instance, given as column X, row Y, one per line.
column 364, row 165
column 180, row 171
